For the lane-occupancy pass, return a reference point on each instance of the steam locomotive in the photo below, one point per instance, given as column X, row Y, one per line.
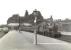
column 49, row 30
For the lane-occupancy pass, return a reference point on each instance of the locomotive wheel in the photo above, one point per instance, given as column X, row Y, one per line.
column 57, row 35
column 50, row 34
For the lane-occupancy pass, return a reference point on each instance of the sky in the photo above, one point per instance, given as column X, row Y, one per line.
column 59, row 9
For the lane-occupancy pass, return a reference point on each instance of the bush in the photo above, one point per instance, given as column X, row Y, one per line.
column 4, row 30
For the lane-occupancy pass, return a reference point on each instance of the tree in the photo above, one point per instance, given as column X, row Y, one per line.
column 38, row 15
column 13, row 19
column 26, row 13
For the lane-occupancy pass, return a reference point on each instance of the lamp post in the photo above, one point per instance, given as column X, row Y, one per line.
column 19, row 24
column 35, row 33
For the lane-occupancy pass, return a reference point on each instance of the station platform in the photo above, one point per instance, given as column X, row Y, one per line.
column 15, row 40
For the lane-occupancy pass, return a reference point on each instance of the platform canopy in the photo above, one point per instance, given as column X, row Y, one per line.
column 26, row 24
column 13, row 24
column 17, row 24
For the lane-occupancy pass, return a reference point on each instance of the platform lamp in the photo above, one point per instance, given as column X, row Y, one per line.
column 35, row 32
column 35, row 13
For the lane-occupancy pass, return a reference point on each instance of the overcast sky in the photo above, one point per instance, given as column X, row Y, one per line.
column 59, row 9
